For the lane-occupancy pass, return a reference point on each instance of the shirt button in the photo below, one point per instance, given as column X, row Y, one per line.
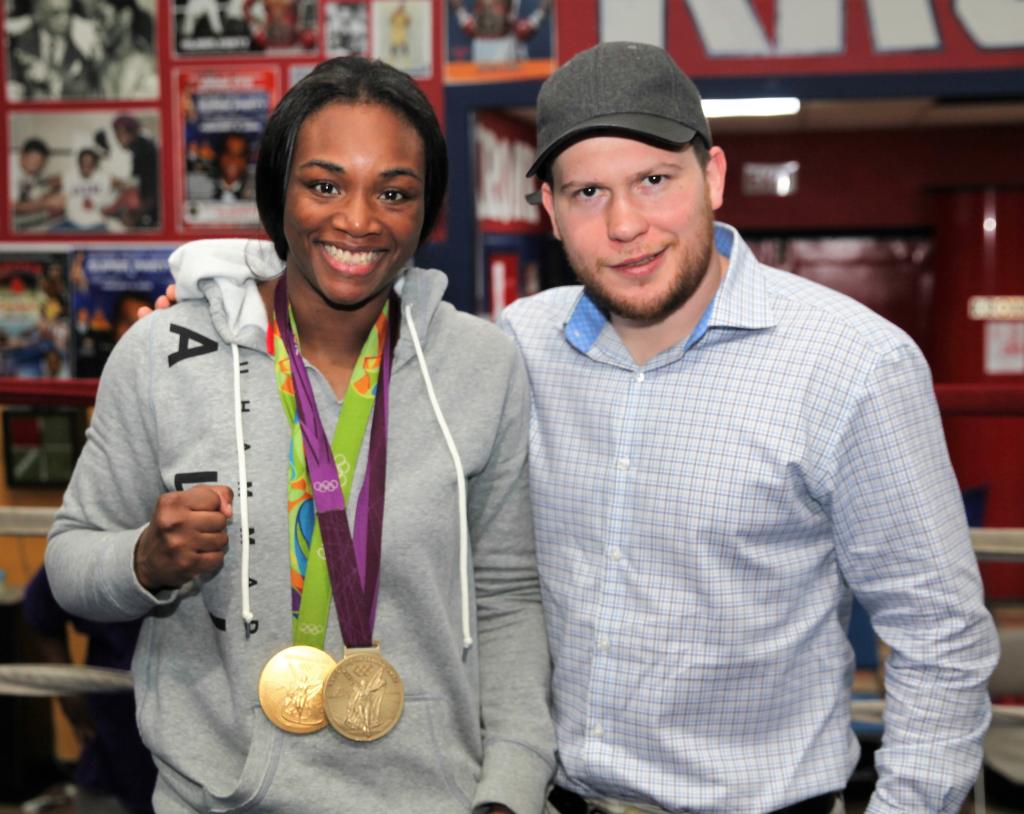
column 597, row 731
column 639, row 377
column 603, row 644
column 623, row 464
column 615, row 554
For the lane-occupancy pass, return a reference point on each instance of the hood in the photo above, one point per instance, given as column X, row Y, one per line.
column 225, row 272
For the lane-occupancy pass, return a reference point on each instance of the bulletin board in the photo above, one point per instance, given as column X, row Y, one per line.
column 139, row 120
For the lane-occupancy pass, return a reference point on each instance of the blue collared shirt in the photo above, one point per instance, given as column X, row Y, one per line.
column 701, row 520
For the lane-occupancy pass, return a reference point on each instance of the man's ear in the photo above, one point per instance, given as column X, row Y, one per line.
column 714, row 175
column 547, row 201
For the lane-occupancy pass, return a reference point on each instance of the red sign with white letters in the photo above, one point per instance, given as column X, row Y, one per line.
column 504, row 149
column 754, row 38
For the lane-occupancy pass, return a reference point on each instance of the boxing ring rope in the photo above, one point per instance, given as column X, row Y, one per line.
column 51, row 680
column 998, row 544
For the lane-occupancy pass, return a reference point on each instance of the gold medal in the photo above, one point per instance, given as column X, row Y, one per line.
column 291, row 689
column 363, row 695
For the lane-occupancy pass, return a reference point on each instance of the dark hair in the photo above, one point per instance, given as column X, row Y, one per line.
column 36, row 145
column 231, row 135
column 127, row 123
column 348, row 80
column 701, row 151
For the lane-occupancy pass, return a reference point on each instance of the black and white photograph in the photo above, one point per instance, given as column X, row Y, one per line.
column 81, row 49
column 346, row 29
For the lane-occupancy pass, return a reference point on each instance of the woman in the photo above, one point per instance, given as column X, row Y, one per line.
column 238, row 694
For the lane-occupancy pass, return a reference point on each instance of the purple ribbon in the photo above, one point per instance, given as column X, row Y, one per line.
column 353, row 561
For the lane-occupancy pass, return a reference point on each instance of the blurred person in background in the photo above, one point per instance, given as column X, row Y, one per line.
column 114, row 773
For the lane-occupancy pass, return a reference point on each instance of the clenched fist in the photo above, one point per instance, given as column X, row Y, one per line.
column 186, row 537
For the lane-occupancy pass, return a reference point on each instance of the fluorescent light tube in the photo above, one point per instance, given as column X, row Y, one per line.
column 765, row 106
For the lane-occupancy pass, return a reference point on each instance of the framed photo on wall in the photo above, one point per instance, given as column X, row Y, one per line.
column 80, row 51
column 34, row 324
column 222, row 111
column 402, row 35
column 88, row 171
column 108, row 285
column 41, row 445
column 346, row 29
column 206, row 27
column 500, row 40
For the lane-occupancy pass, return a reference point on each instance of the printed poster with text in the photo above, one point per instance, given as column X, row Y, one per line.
column 208, row 27
column 501, row 40
column 223, row 113
column 34, row 324
column 107, row 288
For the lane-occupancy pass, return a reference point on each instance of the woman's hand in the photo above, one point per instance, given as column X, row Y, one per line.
column 186, row 537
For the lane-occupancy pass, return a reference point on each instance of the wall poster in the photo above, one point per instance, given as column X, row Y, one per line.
column 58, row 50
column 205, row 27
column 402, row 34
column 87, row 171
column 222, row 112
column 346, row 29
column 34, row 325
column 108, row 285
column 500, row 40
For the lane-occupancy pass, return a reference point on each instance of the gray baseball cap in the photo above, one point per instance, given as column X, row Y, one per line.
column 618, row 88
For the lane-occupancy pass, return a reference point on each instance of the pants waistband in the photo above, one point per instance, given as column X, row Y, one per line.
column 569, row 802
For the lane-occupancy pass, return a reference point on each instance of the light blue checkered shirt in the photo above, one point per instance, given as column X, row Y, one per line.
column 699, row 519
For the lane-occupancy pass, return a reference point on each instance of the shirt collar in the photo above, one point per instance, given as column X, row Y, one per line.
column 740, row 302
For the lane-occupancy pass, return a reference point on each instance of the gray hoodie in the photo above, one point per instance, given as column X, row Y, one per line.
column 467, row 638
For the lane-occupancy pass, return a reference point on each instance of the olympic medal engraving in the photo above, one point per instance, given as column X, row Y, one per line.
column 291, row 689
column 363, row 695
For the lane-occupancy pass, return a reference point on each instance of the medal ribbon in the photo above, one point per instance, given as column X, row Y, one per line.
column 353, row 561
column 310, row 581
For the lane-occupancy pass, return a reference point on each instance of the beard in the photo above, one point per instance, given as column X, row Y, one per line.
column 634, row 305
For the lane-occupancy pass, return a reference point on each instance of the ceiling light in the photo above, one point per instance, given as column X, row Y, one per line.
column 764, row 106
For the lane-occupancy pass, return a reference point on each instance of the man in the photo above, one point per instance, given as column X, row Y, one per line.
column 115, row 772
column 36, row 201
column 721, row 451
column 45, row 63
column 231, row 182
column 142, row 190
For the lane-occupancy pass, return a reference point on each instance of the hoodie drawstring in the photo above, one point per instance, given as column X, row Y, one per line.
column 243, row 490
column 460, row 479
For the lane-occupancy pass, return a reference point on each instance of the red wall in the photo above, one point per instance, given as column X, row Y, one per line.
column 875, row 179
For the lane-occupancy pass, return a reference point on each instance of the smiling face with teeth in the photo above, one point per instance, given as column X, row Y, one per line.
column 353, row 206
column 636, row 222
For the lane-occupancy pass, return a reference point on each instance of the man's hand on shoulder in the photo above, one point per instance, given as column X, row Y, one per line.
column 165, row 300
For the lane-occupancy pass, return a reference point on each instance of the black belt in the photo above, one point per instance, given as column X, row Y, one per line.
column 822, row 804
column 569, row 802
